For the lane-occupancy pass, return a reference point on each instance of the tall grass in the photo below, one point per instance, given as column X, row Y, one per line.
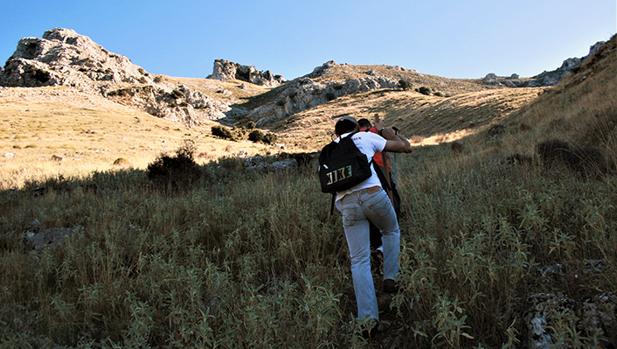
column 254, row 260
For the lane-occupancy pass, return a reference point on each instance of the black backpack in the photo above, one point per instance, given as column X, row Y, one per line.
column 342, row 165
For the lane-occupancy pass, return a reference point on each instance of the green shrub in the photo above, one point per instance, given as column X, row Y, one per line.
column 269, row 138
column 404, row 84
column 424, row 90
column 221, row 132
column 177, row 172
column 256, row 136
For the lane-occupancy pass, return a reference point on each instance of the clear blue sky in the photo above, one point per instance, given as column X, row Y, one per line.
column 449, row 38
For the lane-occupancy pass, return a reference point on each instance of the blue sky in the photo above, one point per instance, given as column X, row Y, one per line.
column 448, row 38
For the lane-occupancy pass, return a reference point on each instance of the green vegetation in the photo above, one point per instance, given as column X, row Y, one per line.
column 244, row 259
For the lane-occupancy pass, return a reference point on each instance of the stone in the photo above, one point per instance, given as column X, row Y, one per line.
column 36, row 238
column 9, row 155
column 305, row 92
column 227, row 70
column 283, row 165
column 515, row 76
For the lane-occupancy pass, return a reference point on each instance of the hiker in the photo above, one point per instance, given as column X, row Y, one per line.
column 384, row 173
column 360, row 203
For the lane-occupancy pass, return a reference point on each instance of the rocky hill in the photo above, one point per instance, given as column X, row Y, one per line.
column 63, row 57
column 331, row 81
column 546, row 78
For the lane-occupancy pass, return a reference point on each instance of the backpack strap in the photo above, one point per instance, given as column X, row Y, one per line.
column 332, row 204
column 381, row 175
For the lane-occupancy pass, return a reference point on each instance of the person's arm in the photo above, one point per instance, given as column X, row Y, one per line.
column 395, row 143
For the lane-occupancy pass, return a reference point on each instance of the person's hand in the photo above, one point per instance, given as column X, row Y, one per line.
column 377, row 122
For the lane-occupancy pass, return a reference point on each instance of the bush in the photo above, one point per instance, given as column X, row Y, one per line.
column 404, row 84
column 256, row 136
column 280, row 102
column 222, row 132
column 330, row 96
column 269, row 138
column 424, row 90
column 176, row 172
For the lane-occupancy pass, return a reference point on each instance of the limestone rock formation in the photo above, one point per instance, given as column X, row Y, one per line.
column 64, row 57
column 546, row 78
column 305, row 92
column 228, row 70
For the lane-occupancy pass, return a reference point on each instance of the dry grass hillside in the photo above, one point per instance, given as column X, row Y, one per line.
column 230, row 92
column 436, row 83
column 427, row 119
column 54, row 131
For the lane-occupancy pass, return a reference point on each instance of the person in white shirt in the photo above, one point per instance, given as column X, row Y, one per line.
column 361, row 203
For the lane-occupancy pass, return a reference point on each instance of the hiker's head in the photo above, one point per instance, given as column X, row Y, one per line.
column 364, row 124
column 345, row 124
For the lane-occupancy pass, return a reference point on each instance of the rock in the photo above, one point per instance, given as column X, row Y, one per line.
column 57, row 158
column 304, row 93
column 322, row 69
column 64, row 57
column 36, row 238
column 227, row 70
column 9, row 155
column 514, row 76
column 282, row 165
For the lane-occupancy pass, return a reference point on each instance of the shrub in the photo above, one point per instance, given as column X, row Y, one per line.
column 330, row 96
column 424, row 90
column 269, row 138
column 222, row 132
column 587, row 161
column 439, row 94
column 256, row 136
column 404, row 84
column 121, row 162
column 280, row 102
column 175, row 172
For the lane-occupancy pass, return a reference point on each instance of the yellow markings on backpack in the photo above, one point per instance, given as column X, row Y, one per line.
column 339, row 174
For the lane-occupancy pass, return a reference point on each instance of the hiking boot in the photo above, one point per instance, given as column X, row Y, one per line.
column 389, row 286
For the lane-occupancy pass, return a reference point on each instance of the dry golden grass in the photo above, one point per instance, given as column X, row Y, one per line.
column 436, row 119
column 89, row 133
column 232, row 91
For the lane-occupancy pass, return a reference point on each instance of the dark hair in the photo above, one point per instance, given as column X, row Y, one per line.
column 344, row 125
column 364, row 123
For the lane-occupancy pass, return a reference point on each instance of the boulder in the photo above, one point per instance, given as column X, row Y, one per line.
column 227, row 70
column 36, row 238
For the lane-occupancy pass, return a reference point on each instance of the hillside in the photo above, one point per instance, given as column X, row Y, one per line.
column 425, row 119
column 51, row 131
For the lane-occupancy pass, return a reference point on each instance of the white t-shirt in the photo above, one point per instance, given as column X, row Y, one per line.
column 368, row 143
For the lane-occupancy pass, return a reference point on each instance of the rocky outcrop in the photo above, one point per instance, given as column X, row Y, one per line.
column 305, row 92
column 546, row 78
column 228, row 70
column 64, row 57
